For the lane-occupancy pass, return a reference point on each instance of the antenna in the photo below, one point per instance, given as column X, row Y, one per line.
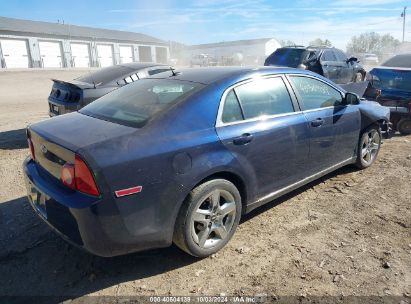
column 173, row 71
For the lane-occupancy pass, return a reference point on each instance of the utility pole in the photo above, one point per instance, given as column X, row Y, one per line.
column 403, row 23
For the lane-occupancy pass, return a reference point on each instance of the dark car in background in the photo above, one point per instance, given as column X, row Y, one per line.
column 390, row 85
column 70, row 96
column 331, row 63
column 180, row 158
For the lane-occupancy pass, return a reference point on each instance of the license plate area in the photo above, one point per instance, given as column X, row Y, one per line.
column 54, row 109
column 38, row 200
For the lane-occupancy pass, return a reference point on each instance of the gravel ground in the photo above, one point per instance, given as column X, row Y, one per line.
column 346, row 234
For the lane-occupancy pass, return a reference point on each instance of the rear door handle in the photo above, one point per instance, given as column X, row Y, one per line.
column 317, row 122
column 243, row 139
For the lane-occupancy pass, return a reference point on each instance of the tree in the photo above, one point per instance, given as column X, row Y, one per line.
column 286, row 42
column 320, row 42
column 372, row 43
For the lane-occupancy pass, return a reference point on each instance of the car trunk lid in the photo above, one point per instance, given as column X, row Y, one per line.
column 57, row 140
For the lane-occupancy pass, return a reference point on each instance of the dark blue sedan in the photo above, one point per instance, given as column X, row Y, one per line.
column 390, row 85
column 181, row 158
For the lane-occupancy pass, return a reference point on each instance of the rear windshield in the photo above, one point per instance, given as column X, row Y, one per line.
column 133, row 105
column 399, row 61
column 105, row 75
column 288, row 57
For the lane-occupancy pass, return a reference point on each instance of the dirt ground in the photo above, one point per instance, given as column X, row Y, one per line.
column 346, row 234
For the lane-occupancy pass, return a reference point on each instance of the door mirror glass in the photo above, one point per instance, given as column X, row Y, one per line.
column 351, row 98
column 351, row 59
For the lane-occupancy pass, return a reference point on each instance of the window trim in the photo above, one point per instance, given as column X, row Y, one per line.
column 291, row 93
column 299, row 98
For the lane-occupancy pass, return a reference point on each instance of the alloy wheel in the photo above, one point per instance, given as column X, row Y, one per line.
column 213, row 218
column 370, row 145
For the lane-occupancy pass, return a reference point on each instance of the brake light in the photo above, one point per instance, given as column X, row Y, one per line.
column 79, row 177
column 30, row 143
column 84, row 179
column 31, row 147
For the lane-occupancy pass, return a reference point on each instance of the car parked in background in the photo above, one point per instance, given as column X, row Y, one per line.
column 70, row 96
column 202, row 60
column 371, row 59
column 331, row 63
column 180, row 158
column 390, row 85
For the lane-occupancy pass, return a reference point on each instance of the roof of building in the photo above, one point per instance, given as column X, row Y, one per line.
column 230, row 43
column 48, row 29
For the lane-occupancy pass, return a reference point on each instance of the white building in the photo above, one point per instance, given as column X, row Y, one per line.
column 34, row 44
column 240, row 52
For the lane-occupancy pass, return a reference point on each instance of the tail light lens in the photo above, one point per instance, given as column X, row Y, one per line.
column 79, row 177
column 31, row 147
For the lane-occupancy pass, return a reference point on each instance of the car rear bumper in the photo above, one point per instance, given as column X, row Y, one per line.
column 98, row 228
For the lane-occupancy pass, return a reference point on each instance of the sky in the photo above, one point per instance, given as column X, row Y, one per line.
column 206, row 21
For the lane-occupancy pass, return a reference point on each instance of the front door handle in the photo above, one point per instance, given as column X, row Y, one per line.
column 243, row 139
column 317, row 122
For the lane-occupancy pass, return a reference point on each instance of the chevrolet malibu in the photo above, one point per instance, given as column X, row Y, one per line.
column 181, row 158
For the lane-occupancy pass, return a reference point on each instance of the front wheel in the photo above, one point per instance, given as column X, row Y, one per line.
column 208, row 218
column 368, row 147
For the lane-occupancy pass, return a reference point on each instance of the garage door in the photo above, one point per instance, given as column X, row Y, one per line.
column 15, row 53
column 50, row 53
column 161, row 55
column 80, row 54
column 145, row 53
column 105, row 55
column 126, row 54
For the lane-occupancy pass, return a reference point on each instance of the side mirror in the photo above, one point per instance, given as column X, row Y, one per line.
column 351, row 59
column 351, row 99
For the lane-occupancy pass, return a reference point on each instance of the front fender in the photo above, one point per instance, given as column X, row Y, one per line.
column 372, row 112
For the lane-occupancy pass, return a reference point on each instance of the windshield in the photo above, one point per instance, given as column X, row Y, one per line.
column 105, row 75
column 288, row 57
column 399, row 61
column 135, row 104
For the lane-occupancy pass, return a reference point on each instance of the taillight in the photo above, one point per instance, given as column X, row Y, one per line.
column 31, row 147
column 84, row 179
column 79, row 177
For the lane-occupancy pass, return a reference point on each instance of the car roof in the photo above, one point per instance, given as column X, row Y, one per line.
column 208, row 75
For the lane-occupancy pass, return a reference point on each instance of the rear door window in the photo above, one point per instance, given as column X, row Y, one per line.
column 232, row 110
column 264, row 97
column 315, row 94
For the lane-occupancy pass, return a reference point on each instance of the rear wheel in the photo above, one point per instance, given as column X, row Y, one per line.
column 368, row 147
column 208, row 218
column 404, row 126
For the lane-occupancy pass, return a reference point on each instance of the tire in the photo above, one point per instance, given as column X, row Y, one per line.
column 359, row 77
column 368, row 147
column 204, row 225
column 404, row 126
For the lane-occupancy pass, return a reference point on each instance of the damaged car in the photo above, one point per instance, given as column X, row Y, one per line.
column 331, row 63
column 390, row 85
column 181, row 158
column 70, row 96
